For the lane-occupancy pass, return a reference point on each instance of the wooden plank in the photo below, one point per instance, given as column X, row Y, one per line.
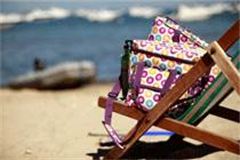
column 230, row 37
column 205, row 101
column 219, row 83
column 216, row 105
column 225, row 64
column 186, row 81
column 214, row 111
column 178, row 127
column 226, row 113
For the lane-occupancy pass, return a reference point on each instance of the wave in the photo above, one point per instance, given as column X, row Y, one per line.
column 144, row 12
column 200, row 12
column 102, row 15
column 35, row 15
column 53, row 13
column 183, row 13
column 11, row 18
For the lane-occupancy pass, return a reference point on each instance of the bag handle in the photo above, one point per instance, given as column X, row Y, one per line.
column 174, row 25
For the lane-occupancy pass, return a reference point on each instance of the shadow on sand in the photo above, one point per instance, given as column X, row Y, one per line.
column 171, row 149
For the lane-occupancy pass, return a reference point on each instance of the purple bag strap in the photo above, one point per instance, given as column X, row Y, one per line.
column 169, row 81
column 111, row 97
column 137, row 80
column 109, row 105
column 108, row 114
column 138, row 75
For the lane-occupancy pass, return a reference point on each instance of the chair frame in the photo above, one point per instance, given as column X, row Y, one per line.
column 156, row 115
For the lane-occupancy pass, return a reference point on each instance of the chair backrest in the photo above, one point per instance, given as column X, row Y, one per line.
column 208, row 99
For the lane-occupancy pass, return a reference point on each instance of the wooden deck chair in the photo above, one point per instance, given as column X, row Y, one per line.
column 211, row 97
column 155, row 116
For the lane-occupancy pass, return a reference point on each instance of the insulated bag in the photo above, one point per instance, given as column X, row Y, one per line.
column 150, row 68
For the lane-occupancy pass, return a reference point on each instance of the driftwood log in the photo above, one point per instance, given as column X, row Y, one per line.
column 62, row 76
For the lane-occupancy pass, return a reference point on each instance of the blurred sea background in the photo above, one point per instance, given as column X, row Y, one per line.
column 95, row 30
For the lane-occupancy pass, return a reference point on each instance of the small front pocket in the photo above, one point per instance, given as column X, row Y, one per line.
column 149, row 84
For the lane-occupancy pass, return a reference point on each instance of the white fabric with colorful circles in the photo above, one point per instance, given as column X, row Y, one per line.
column 156, row 72
column 163, row 29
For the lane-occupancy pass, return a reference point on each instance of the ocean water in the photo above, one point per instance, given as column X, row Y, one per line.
column 63, row 32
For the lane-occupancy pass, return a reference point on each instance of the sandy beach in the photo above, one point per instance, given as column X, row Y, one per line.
column 67, row 125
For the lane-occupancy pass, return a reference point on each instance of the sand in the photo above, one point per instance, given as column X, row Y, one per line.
column 67, row 125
